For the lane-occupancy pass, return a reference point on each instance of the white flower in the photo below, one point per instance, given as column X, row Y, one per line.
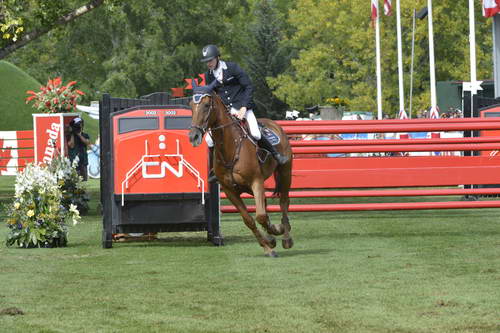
column 76, row 214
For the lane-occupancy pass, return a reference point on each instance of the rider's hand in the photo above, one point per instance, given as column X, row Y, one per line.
column 241, row 113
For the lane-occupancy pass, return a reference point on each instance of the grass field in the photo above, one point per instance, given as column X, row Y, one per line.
column 417, row 271
column 15, row 113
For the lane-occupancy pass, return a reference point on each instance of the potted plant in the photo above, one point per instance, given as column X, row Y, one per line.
column 55, row 97
column 333, row 109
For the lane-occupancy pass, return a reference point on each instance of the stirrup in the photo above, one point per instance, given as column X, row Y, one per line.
column 281, row 159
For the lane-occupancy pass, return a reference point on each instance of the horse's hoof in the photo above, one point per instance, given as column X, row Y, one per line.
column 277, row 229
column 272, row 254
column 287, row 243
column 272, row 241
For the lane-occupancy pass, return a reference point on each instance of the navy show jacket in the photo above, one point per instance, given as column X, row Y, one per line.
column 236, row 89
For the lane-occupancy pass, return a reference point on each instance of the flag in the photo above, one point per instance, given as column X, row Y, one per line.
column 491, row 7
column 190, row 83
column 202, row 77
column 402, row 114
column 177, row 92
column 374, row 10
column 387, row 7
column 434, row 113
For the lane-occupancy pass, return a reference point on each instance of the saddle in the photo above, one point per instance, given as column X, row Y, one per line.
column 270, row 135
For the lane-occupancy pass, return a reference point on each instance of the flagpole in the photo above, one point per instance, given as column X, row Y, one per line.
column 379, row 71
column 400, row 59
column 472, row 44
column 431, row 58
column 412, row 56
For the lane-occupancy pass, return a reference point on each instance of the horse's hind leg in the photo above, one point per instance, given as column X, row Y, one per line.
column 285, row 179
column 250, row 223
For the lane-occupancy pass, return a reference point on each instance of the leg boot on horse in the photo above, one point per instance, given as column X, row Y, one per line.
column 265, row 144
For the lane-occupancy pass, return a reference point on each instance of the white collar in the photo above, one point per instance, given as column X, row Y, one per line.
column 219, row 70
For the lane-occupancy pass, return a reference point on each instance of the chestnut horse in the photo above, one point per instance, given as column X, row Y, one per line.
column 238, row 168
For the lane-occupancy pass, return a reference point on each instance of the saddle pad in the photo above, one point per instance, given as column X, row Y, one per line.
column 270, row 135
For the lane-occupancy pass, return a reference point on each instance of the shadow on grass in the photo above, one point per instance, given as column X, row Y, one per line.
column 338, row 236
column 293, row 253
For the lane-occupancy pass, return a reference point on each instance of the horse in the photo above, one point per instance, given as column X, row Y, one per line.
column 238, row 168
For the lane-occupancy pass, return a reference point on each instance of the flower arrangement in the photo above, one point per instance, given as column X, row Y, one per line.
column 55, row 97
column 336, row 101
column 73, row 191
column 37, row 216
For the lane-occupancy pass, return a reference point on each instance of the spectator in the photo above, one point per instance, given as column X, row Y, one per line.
column 78, row 141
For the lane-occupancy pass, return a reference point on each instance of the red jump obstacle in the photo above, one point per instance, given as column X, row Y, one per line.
column 382, row 168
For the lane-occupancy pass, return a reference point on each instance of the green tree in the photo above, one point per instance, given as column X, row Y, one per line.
column 130, row 48
column 266, row 57
column 337, row 53
column 23, row 21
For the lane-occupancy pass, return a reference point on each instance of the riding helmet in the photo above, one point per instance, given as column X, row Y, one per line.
column 209, row 52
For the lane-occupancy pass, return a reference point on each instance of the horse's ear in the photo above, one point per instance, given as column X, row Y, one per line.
column 193, row 83
column 212, row 85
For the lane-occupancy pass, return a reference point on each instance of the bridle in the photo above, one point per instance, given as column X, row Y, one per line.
column 235, row 121
column 204, row 127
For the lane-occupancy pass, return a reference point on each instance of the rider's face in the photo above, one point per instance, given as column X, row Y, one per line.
column 212, row 63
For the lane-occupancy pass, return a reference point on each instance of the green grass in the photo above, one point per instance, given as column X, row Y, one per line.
column 15, row 113
column 417, row 271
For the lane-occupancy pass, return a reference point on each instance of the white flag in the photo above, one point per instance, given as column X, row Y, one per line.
column 434, row 113
column 402, row 114
column 387, row 7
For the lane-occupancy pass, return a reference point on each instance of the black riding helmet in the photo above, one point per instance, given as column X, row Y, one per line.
column 209, row 52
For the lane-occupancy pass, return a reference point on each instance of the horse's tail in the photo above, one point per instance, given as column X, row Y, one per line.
column 277, row 181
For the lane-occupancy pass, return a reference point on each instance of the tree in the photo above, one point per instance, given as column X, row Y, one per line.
column 266, row 57
column 337, row 53
column 38, row 16
column 130, row 48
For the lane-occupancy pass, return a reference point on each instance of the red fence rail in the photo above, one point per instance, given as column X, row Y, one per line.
column 356, row 176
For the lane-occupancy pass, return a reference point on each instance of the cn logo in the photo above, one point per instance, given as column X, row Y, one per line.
column 163, row 166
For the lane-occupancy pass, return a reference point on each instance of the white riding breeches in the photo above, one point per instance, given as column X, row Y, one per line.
column 252, row 125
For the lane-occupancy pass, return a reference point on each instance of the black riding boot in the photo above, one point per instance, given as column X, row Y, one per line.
column 264, row 143
column 211, row 175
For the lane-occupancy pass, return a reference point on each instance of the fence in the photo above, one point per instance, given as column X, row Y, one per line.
column 383, row 173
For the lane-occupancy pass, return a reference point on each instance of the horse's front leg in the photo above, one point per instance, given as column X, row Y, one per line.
column 261, row 212
column 249, row 221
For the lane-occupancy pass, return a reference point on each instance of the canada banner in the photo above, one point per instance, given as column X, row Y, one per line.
column 49, row 134
column 491, row 7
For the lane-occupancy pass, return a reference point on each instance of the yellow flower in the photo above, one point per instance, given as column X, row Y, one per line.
column 17, row 205
column 30, row 213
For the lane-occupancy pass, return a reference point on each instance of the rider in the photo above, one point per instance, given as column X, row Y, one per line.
column 235, row 90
